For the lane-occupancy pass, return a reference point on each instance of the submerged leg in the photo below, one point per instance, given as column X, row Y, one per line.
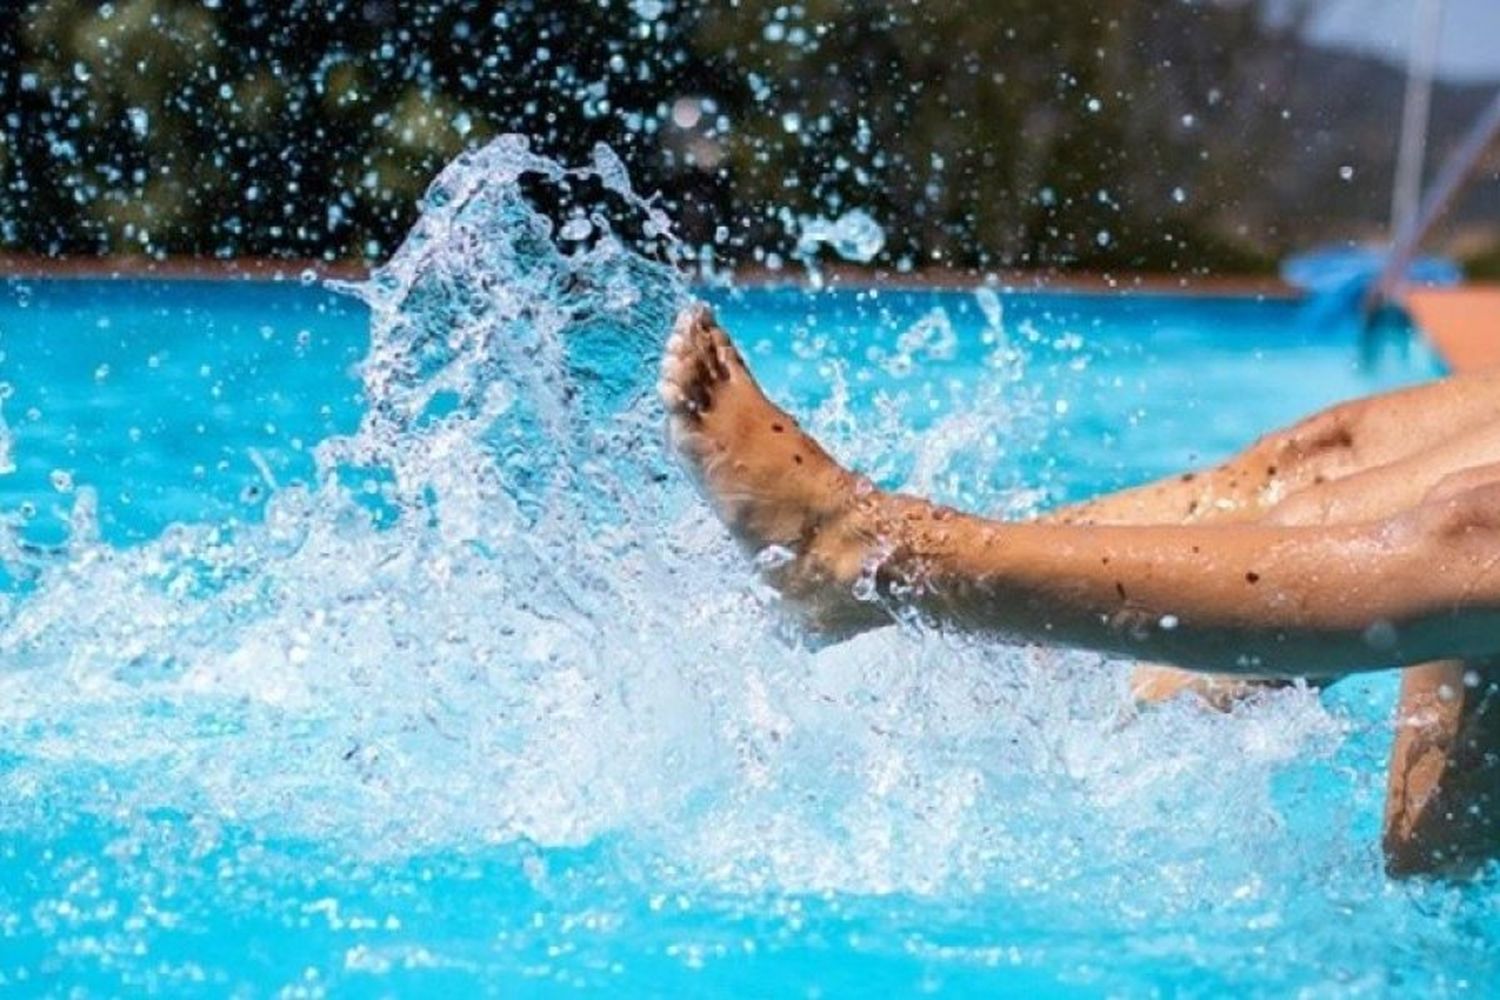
column 1251, row 598
column 1444, row 771
column 1444, row 776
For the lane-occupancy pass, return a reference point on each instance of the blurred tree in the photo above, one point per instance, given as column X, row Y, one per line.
column 292, row 127
column 999, row 132
column 1137, row 134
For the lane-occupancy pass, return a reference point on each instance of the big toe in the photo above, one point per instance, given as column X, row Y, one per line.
column 692, row 363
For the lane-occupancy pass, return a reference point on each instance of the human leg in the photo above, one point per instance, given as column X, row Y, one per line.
column 1340, row 492
column 1243, row 598
column 1343, row 440
column 1444, row 773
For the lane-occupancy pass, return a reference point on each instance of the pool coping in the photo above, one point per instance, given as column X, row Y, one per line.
column 836, row 275
column 1462, row 322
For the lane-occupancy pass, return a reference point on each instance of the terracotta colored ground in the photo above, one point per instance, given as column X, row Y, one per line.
column 1464, row 323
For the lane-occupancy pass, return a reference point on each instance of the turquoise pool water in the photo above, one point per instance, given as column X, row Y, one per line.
column 195, row 839
column 188, row 401
column 372, row 646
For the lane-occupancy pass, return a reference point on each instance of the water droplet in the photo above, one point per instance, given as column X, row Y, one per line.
column 855, row 236
column 687, row 112
column 1380, row 635
column 774, row 557
column 576, row 229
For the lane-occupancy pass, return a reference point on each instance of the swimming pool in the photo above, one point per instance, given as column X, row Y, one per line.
column 428, row 676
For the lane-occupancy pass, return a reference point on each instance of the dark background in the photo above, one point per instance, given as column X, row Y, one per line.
column 1164, row 135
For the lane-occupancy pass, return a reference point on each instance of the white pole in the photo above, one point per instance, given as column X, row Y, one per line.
column 1458, row 170
column 1406, row 195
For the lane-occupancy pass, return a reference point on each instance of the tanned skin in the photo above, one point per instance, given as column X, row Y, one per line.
column 1366, row 536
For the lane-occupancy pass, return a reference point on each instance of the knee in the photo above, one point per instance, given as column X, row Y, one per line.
column 1458, row 509
column 1456, row 484
column 1328, row 435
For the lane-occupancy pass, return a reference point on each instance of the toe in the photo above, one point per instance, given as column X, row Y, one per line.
column 698, row 360
column 677, row 368
column 694, row 317
column 724, row 351
column 710, row 342
column 677, row 347
column 700, row 385
column 671, row 395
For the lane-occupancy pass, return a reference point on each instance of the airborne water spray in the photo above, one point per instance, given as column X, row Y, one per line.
column 498, row 616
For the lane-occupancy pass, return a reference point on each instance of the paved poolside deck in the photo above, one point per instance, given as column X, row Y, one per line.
column 1463, row 323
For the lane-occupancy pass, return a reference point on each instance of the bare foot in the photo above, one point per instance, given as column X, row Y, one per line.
column 782, row 496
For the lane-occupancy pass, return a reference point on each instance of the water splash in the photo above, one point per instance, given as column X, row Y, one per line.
column 7, row 459
column 498, row 616
column 496, row 613
column 854, row 236
column 454, row 571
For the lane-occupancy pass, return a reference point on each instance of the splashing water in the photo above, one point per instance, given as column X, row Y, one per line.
column 7, row 462
column 855, row 236
column 455, row 571
column 496, row 616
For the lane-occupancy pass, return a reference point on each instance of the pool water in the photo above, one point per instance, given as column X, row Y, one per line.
column 342, row 659
column 189, row 401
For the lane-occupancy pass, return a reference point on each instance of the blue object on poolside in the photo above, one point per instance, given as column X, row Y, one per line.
column 1335, row 269
column 1338, row 278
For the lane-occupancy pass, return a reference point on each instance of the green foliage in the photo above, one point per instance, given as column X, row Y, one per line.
column 1485, row 264
column 979, row 132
